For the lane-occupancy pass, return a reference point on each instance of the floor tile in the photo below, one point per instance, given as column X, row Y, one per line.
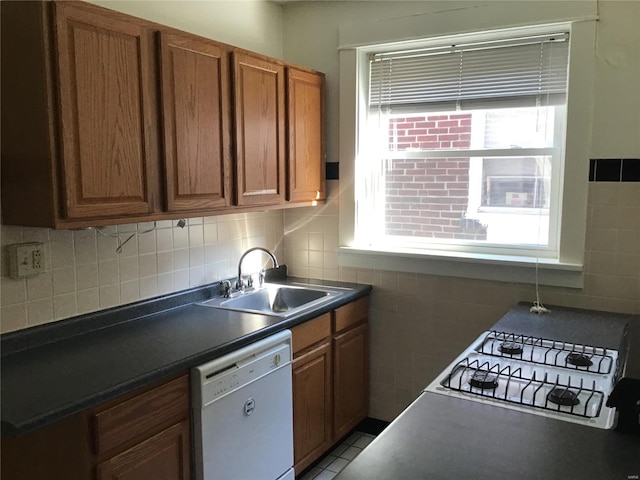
column 325, row 475
column 338, row 464
column 311, row 474
column 326, row 461
column 352, row 438
column 363, row 441
column 350, row 453
column 339, row 449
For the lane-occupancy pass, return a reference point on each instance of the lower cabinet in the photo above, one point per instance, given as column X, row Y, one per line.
column 312, row 413
column 143, row 435
column 330, row 380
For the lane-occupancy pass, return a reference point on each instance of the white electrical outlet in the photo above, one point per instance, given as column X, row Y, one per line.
column 26, row 259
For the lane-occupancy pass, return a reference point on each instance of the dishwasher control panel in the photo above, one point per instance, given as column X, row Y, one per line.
column 226, row 374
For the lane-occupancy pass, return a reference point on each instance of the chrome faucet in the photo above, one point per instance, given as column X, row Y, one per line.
column 239, row 282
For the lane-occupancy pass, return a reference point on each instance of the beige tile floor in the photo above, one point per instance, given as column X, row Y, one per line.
column 338, row 458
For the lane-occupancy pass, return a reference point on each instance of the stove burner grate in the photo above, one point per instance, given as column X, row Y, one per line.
column 484, row 380
column 508, row 383
column 511, row 348
column 548, row 352
column 579, row 359
column 563, row 396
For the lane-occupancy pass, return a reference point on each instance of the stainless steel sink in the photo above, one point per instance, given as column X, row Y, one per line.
column 274, row 299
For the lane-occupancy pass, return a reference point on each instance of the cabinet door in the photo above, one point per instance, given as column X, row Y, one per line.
column 311, row 405
column 259, row 127
column 197, row 144
column 306, row 141
column 164, row 456
column 351, row 379
column 108, row 113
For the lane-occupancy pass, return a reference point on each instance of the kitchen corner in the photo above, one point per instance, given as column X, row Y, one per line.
column 444, row 436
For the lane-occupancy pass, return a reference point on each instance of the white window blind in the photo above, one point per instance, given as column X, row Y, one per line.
column 525, row 71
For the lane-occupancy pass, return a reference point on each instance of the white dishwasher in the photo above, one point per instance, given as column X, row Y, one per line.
column 243, row 413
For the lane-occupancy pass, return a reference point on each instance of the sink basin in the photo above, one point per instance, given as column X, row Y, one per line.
column 272, row 299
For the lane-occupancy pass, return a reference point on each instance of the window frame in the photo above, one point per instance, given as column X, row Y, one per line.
column 567, row 266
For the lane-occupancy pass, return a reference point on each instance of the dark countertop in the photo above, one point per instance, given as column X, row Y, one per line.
column 59, row 369
column 441, row 437
column 444, row 438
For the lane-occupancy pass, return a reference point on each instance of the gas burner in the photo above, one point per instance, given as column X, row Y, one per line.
column 579, row 359
column 511, row 348
column 563, row 396
column 484, row 380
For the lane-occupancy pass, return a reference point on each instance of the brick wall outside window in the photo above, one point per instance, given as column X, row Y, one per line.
column 428, row 197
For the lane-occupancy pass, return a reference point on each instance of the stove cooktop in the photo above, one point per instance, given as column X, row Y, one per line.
column 563, row 380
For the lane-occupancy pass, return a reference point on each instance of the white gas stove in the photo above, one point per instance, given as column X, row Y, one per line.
column 545, row 377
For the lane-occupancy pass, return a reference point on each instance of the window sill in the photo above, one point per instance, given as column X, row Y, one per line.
column 499, row 268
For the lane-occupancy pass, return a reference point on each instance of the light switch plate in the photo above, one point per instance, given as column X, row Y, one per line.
column 26, row 259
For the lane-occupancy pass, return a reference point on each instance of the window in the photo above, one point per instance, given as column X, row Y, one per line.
column 461, row 146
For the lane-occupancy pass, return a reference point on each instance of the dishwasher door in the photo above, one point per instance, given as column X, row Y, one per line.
column 243, row 413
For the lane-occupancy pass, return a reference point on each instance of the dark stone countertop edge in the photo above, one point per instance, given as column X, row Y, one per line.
column 118, row 317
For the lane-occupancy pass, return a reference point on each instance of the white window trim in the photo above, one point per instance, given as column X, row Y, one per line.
column 567, row 269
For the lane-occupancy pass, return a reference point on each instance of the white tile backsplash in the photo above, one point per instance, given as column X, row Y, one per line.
column 84, row 273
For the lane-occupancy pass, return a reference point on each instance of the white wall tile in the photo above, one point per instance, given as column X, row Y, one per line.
column 62, row 253
column 109, row 295
column 87, row 276
column 147, row 243
column 148, row 287
column 64, row 281
column 88, row 300
column 129, row 291
column 39, row 311
column 40, row 286
column 165, row 283
column 196, row 235
column 86, row 250
column 129, row 269
column 181, row 258
column 196, row 256
column 14, row 317
column 164, row 240
column 180, row 238
column 165, row 262
column 13, row 290
column 108, row 272
column 64, row 306
column 148, row 265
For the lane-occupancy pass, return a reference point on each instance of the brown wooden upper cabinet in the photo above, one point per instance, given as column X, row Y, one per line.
column 107, row 98
column 260, row 129
column 108, row 118
column 306, row 159
column 196, row 116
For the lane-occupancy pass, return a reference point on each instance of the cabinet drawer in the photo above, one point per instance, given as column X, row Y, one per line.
column 311, row 332
column 146, row 412
column 351, row 314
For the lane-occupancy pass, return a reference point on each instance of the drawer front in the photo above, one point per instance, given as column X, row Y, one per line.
column 146, row 412
column 351, row 314
column 313, row 331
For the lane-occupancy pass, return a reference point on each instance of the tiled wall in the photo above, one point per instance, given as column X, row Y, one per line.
column 84, row 273
column 419, row 323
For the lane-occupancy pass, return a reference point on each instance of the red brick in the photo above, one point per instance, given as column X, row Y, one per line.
column 448, row 137
column 425, row 124
column 461, row 116
column 437, row 131
column 462, row 144
column 433, row 118
column 448, row 123
column 427, row 138
column 460, row 129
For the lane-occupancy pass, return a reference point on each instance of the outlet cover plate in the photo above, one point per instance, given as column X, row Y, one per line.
column 26, row 259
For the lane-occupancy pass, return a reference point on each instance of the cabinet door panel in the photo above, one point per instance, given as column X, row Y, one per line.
column 108, row 114
column 311, row 405
column 195, row 93
column 351, row 382
column 260, row 124
column 164, row 456
column 306, row 142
